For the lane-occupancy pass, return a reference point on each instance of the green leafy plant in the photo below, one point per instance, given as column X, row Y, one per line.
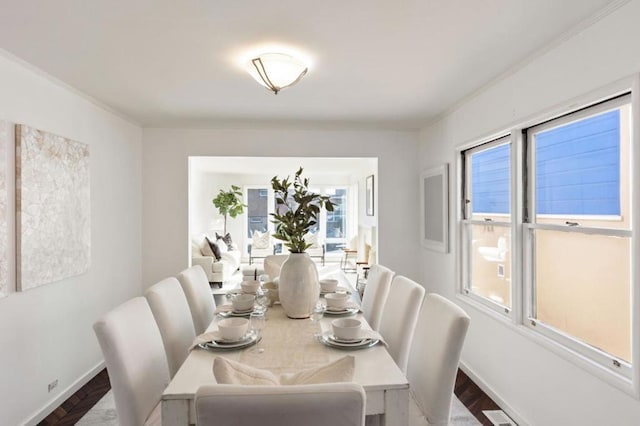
column 297, row 210
column 229, row 203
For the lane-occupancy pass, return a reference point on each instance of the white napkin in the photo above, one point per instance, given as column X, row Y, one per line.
column 224, row 309
column 204, row 338
column 232, row 372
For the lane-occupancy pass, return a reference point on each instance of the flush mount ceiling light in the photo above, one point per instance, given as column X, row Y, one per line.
column 275, row 71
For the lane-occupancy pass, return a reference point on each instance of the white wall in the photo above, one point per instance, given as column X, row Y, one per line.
column 542, row 388
column 165, row 184
column 46, row 333
column 204, row 188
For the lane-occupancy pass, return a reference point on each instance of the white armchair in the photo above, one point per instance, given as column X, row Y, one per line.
column 217, row 271
column 261, row 246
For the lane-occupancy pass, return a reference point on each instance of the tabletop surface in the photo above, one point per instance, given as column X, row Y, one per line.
column 289, row 346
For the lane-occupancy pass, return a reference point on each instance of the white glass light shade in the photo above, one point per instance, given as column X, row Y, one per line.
column 276, row 71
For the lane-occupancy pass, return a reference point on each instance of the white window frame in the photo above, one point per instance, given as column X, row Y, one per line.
column 321, row 189
column 322, row 219
column 270, row 202
column 465, row 223
column 616, row 365
column 517, row 319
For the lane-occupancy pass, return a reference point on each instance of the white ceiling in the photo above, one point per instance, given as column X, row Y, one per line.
column 393, row 63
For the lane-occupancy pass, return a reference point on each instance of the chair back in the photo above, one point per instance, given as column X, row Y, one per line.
column 375, row 294
column 196, row 289
column 135, row 358
column 435, row 354
column 171, row 311
column 309, row 405
column 399, row 317
column 273, row 264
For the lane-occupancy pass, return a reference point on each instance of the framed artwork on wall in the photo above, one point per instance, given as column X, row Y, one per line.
column 369, row 196
column 5, row 149
column 53, row 208
column 434, row 208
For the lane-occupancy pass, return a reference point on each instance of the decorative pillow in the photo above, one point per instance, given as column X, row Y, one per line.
column 205, row 248
column 222, row 246
column 214, row 248
column 260, row 240
column 227, row 240
column 311, row 238
column 231, row 372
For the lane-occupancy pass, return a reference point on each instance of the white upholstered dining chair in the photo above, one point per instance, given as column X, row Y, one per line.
column 309, row 405
column 399, row 317
column 136, row 361
column 196, row 288
column 171, row 311
column 375, row 294
column 433, row 360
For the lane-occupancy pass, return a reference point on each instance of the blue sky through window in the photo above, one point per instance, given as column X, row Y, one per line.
column 577, row 170
column 490, row 180
column 578, row 167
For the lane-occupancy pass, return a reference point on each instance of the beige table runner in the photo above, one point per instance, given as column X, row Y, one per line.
column 289, row 345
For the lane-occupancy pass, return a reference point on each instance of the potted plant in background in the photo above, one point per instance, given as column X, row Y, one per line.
column 297, row 210
column 229, row 203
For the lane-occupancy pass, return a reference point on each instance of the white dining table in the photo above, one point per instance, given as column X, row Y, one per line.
column 289, row 346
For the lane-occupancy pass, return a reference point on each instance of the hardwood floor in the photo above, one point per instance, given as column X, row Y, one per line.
column 473, row 398
column 82, row 401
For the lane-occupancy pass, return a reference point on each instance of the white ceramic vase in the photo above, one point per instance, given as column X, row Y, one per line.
column 299, row 287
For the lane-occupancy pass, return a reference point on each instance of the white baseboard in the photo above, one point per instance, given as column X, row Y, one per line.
column 63, row 396
column 493, row 395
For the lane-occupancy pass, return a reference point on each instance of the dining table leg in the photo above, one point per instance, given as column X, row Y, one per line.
column 396, row 407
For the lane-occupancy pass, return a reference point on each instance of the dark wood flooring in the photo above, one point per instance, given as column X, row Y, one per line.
column 80, row 402
column 473, row 398
column 84, row 399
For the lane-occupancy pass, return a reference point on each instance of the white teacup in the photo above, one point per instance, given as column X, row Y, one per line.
column 233, row 328
column 346, row 328
column 328, row 285
column 243, row 302
column 337, row 300
column 250, row 286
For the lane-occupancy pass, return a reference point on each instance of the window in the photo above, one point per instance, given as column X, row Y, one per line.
column 578, row 232
column 257, row 210
column 331, row 226
column 487, row 223
column 336, row 221
column 570, row 224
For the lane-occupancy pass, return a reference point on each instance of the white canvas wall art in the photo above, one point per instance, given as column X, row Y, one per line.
column 5, row 130
column 53, row 207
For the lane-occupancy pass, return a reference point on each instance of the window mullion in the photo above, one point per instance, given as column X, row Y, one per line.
column 614, row 232
column 517, row 209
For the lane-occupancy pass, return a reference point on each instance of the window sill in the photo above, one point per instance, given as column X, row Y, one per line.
column 598, row 370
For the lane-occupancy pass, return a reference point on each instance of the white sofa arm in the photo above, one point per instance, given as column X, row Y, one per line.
column 206, row 262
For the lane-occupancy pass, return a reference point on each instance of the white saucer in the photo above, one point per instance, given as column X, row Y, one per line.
column 335, row 339
column 232, row 313
column 329, row 340
column 349, row 310
column 337, row 290
column 248, row 340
